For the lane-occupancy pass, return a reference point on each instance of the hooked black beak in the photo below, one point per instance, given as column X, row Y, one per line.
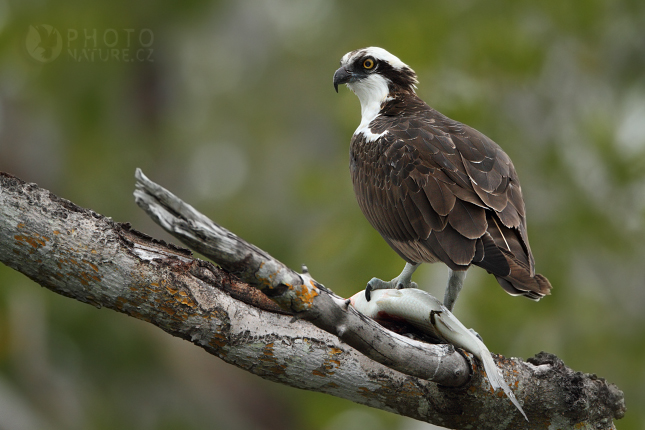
column 342, row 76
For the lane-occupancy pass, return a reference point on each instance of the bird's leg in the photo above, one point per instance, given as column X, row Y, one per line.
column 404, row 280
column 455, row 282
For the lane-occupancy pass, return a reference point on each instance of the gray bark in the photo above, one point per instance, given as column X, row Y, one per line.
column 305, row 337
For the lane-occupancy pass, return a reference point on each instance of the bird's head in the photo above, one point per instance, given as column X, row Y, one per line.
column 375, row 76
column 373, row 67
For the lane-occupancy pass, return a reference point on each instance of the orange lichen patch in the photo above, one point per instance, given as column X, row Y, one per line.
column 266, row 281
column 317, row 373
column 330, row 363
column 156, row 287
column 56, row 232
column 35, row 242
column 364, row 391
column 268, row 349
column 306, row 294
column 267, row 353
column 332, row 353
column 21, row 225
column 120, row 302
column 332, row 385
column 180, row 296
column 218, row 341
column 187, row 301
column 92, row 265
column 278, row 369
column 139, row 316
column 270, row 362
column 80, row 278
column 168, row 310
column 87, row 277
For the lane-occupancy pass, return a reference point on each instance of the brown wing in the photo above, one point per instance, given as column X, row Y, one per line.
column 437, row 190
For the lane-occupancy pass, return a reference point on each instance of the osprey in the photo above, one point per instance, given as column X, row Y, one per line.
column 434, row 188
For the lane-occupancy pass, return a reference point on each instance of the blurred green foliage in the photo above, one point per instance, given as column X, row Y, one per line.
column 230, row 105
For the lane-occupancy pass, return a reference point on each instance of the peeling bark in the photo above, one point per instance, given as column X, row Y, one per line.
column 80, row 254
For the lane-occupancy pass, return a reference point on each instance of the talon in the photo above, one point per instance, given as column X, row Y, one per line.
column 368, row 292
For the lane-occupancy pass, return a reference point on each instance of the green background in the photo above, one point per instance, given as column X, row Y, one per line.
column 236, row 113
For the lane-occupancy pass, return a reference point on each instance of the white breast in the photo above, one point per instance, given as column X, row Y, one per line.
column 372, row 92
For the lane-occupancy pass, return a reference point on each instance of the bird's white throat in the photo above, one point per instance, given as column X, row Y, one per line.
column 372, row 92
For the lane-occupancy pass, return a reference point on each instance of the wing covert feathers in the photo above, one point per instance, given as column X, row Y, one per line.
column 438, row 190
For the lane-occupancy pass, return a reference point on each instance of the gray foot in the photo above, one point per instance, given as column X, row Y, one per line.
column 401, row 281
column 379, row 284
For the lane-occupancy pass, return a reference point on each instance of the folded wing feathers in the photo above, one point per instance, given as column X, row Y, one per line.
column 439, row 195
column 469, row 220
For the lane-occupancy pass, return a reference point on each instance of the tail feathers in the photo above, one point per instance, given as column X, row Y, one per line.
column 520, row 282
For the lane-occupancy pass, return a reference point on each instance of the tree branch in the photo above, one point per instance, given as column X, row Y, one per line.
column 299, row 293
column 83, row 255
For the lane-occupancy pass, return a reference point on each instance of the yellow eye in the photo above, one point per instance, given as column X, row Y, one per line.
column 368, row 64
